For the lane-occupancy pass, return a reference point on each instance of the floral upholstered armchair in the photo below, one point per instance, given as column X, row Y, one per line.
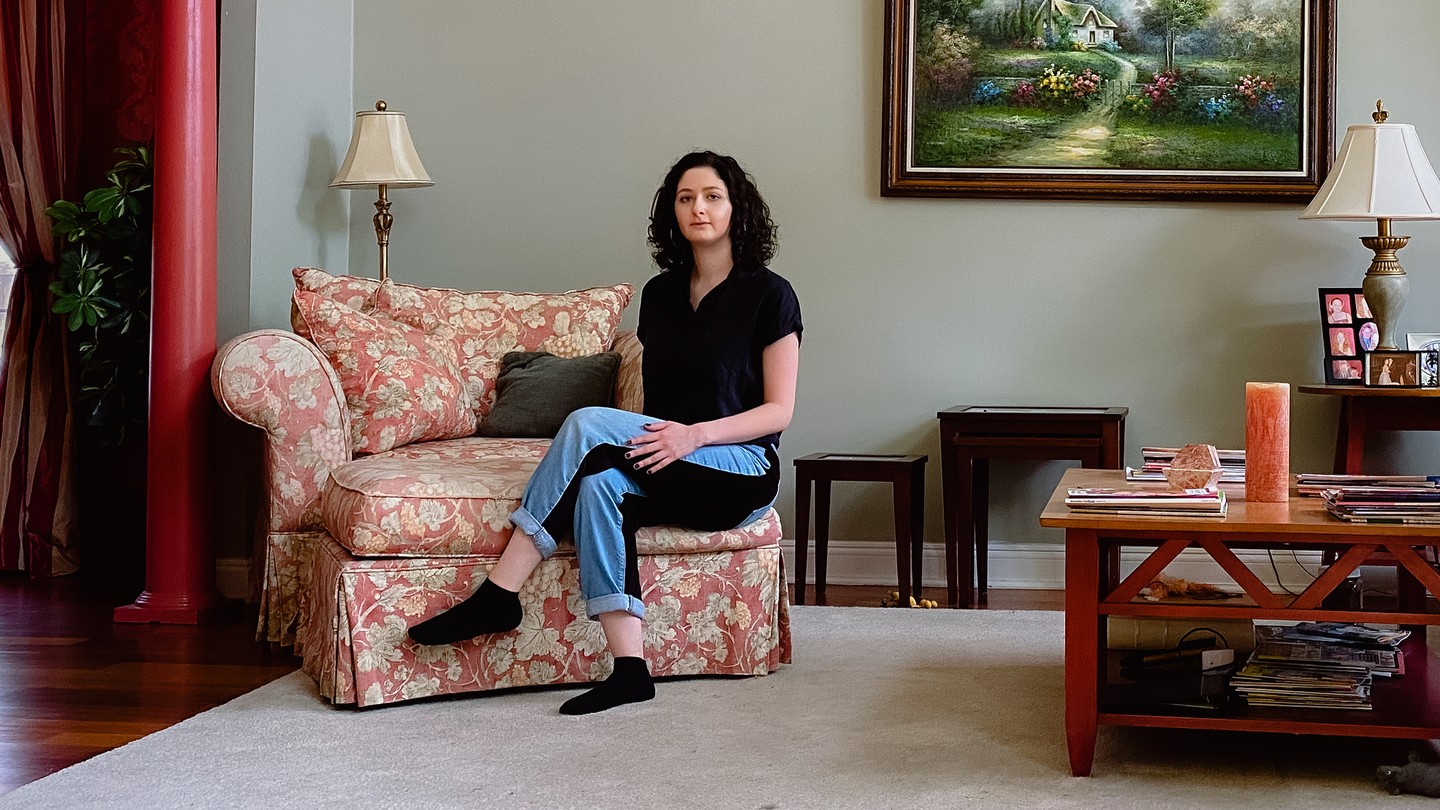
column 384, row 508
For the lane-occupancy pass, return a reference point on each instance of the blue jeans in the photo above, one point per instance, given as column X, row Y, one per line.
column 585, row 486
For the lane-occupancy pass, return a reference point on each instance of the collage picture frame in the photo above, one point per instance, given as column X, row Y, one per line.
column 1348, row 332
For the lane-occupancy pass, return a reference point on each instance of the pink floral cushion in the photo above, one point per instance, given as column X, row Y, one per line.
column 486, row 325
column 454, row 499
column 352, row 291
column 401, row 384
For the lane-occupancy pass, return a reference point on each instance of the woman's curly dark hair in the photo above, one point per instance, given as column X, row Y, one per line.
column 752, row 234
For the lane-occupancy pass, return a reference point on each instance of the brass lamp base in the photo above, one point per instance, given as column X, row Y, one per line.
column 1386, row 284
column 383, row 221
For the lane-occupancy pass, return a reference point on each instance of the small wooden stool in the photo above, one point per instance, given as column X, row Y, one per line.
column 906, row 475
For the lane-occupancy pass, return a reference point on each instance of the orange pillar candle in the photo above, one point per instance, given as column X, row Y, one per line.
column 1267, row 442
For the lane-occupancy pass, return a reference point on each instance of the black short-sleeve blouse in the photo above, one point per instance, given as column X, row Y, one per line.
column 705, row 363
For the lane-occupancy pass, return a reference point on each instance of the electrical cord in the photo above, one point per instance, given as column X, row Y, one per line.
column 1212, row 631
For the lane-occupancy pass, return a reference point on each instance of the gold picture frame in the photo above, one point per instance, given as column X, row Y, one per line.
column 945, row 136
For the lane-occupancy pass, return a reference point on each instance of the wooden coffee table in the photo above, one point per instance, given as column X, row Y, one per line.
column 1404, row 707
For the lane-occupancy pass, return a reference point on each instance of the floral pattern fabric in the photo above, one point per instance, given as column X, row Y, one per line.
column 486, row 325
column 454, row 498
column 352, row 291
column 401, row 384
column 285, row 579
column 629, row 387
column 284, row 386
column 719, row 613
column 449, row 498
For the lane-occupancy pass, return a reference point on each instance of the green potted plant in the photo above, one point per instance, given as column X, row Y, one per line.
column 103, row 287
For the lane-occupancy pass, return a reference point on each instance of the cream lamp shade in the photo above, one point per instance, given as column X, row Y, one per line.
column 1381, row 174
column 381, row 153
column 382, row 156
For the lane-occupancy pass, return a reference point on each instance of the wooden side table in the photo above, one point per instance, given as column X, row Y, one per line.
column 906, row 475
column 972, row 435
column 1365, row 409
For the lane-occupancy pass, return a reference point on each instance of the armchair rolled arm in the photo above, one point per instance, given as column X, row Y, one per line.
column 629, row 389
column 283, row 385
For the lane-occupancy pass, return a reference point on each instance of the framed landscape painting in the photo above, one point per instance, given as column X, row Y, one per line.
column 1114, row 99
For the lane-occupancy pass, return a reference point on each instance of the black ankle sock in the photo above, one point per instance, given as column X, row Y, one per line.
column 629, row 683
column 491, row 609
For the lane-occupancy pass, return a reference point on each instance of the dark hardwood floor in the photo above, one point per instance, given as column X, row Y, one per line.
column 73, row 684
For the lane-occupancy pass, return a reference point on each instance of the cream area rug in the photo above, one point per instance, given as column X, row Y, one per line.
column 881, row 709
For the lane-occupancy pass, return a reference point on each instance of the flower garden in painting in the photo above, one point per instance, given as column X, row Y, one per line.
column 1187, row 85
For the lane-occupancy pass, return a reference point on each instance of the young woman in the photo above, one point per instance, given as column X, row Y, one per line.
column 722, row 350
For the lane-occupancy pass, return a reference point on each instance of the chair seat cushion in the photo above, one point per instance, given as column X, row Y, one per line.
column 454, row 498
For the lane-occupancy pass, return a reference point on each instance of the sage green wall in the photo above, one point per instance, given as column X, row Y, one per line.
column 285, row 113
column 548, row 126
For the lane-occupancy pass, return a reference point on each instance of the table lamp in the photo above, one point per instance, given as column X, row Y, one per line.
column 381, row 155
column 1382, row 174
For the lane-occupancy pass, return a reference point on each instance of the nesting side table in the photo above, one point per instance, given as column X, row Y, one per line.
column 906, row 475
column 971, row 435
column 1365, row 409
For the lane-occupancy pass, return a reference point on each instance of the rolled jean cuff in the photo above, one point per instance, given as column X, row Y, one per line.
column 526, row 522
column 596, row 605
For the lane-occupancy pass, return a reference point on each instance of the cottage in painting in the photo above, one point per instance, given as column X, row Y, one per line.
column 1081, row 21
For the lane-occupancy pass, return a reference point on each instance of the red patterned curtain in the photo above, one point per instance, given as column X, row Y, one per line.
column 38, row 139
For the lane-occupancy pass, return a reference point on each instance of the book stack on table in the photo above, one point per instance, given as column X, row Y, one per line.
column 1315, row 484
column 1146, row 503
column 1376, row 499
column 1318, row 665
column 1156, row 460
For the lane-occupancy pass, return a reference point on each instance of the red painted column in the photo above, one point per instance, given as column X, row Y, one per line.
column 179, row 560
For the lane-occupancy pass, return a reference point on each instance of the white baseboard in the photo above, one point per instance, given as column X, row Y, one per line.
column 232, row 577
column 1041, row 566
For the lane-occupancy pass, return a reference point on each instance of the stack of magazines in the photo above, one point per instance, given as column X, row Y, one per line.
column 1146, row 503
column 1315, row 484
column 1156, row 460
column 1383, row 504
column 1319, row 665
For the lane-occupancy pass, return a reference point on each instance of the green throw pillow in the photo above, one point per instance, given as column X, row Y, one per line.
column 537, row 390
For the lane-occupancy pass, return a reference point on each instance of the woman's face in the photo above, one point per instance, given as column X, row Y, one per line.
column 702, row 207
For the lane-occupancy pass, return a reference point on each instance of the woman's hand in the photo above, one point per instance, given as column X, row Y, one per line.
column 663, row 443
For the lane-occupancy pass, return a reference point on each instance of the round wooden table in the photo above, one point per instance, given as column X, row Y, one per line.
column 1365, row 408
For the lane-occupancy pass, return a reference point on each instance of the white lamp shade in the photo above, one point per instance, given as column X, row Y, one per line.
column 381, row 153
column 1380, row 173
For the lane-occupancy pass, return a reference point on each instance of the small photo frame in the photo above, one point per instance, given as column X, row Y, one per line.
column 1349, row 331
column 1428, row 342
column 1342, row 342
column 1368, row 336
column 1398, row 369
column 1348, row 370
column 1339, row 308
